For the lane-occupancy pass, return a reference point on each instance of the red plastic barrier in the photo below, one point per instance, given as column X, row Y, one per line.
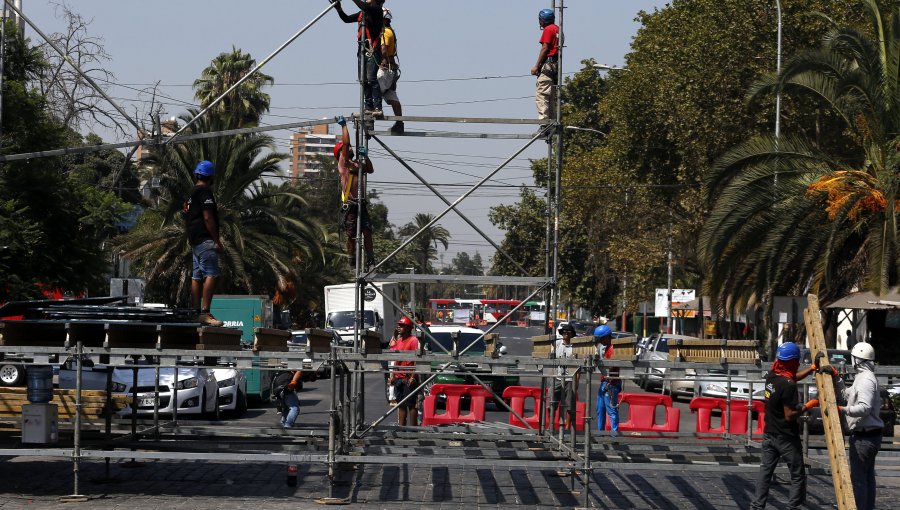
column 580, row 408
column 703, row 407
column 516, row 395
column 642, row 413
column 454, row 393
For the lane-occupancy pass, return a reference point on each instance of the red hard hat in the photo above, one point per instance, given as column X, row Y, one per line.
column 337, row 149
column 404, row 321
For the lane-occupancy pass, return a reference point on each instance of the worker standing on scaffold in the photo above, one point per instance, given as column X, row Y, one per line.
column 371, row 44
column 351, row 205
column 547, row 68
column 389, row 71
column 610, row 384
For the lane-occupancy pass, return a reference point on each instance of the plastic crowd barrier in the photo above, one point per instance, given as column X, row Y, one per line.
column 454, row 393
column 642, row 413
column 703, row 407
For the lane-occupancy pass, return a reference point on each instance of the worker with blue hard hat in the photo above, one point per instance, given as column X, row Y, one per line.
column 782, row 431
column 546, row 68
column 202, row 223
column 610, row 384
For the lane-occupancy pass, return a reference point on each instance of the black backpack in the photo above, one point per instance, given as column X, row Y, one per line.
column 280, row 383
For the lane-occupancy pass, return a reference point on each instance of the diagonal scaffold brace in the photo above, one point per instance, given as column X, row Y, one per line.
column 251, row 72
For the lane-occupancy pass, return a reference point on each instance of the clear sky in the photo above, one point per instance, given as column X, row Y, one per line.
column 458, row 57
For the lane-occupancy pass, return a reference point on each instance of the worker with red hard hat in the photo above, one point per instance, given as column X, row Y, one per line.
column 352, row 206
column 404, row 379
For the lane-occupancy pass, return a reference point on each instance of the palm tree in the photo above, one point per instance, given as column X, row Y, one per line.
column 245, row 105
column 424, row 247
column 264, row 227
column 789, row 217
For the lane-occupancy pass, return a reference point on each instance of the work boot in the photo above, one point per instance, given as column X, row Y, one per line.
column 370, row 260
column 397, row 128
column 207, row 319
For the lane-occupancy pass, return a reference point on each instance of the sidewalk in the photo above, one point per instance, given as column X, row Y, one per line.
column 38, row 483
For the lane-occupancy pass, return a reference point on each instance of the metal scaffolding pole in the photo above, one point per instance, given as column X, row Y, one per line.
column 447, row 202
column 465, row 195
column 251, row 72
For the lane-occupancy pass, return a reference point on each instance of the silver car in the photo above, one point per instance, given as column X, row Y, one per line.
column 198, row 390
column 716, row 384
column 656, row 348
column 232, row 385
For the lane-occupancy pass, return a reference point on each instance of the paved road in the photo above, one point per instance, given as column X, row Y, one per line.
column 36, row 483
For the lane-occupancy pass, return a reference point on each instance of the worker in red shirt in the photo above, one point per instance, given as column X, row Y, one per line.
column 546, row 68
column 404, row 379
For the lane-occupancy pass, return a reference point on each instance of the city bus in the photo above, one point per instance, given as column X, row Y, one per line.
column 469, row 311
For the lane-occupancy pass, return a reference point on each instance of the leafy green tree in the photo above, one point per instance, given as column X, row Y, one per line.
column 52, row 225
column 680, row 105
column 424, row 247
column 792, row 216
column 245, row 105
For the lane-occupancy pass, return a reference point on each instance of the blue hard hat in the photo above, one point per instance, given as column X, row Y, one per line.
column 205, row 168
column 547, row 15
column 788, row 351
column 602, row 331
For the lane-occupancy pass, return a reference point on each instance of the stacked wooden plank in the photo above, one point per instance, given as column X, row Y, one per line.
column 585, row 346
column 210, row 339
column 714, row 351
column 271, row 340
column 93, row 403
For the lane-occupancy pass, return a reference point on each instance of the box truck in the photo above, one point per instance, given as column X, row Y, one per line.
column 379, row 314
column 246, row 313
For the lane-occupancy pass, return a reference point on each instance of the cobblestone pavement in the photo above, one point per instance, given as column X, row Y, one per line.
column 39, row 483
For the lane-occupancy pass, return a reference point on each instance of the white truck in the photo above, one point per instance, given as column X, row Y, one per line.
column 379, row 314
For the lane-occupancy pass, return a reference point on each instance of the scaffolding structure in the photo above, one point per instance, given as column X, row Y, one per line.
column 347, row 437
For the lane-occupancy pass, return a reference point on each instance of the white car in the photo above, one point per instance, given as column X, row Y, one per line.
column 232, row 385
column 716, row 384
column 198, row 390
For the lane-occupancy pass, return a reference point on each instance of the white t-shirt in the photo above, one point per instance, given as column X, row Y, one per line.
column 563, row 351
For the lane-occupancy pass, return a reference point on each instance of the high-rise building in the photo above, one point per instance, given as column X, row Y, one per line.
column 307, row 146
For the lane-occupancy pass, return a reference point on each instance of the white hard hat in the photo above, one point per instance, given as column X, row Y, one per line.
column 864, row 351
column 387, row 13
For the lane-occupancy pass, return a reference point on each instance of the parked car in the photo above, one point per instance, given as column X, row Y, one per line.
column 454, row 374
column 232, row 385
column 656, row 348
column 715, row 383
column 198, row 390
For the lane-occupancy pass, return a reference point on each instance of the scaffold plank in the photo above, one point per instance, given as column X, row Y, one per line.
column 521, row 281
column 453, row 134
column 466, row 120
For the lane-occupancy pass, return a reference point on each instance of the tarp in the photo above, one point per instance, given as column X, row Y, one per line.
column 868, row 301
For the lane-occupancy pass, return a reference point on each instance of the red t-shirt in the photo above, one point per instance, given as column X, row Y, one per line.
column 409, row 343
column 550, row 36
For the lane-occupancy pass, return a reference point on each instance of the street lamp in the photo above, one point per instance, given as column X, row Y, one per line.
column 607, row 67
column 577, row 128
column 412, row 293
column 777, row 93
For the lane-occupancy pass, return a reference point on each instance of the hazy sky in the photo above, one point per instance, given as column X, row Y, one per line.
column 458, row 57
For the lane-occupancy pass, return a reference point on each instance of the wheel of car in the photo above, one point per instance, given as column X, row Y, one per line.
column 11, row 375
column 240, row 407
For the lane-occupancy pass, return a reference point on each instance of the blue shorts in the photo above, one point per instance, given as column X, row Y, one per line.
column 206, row 260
